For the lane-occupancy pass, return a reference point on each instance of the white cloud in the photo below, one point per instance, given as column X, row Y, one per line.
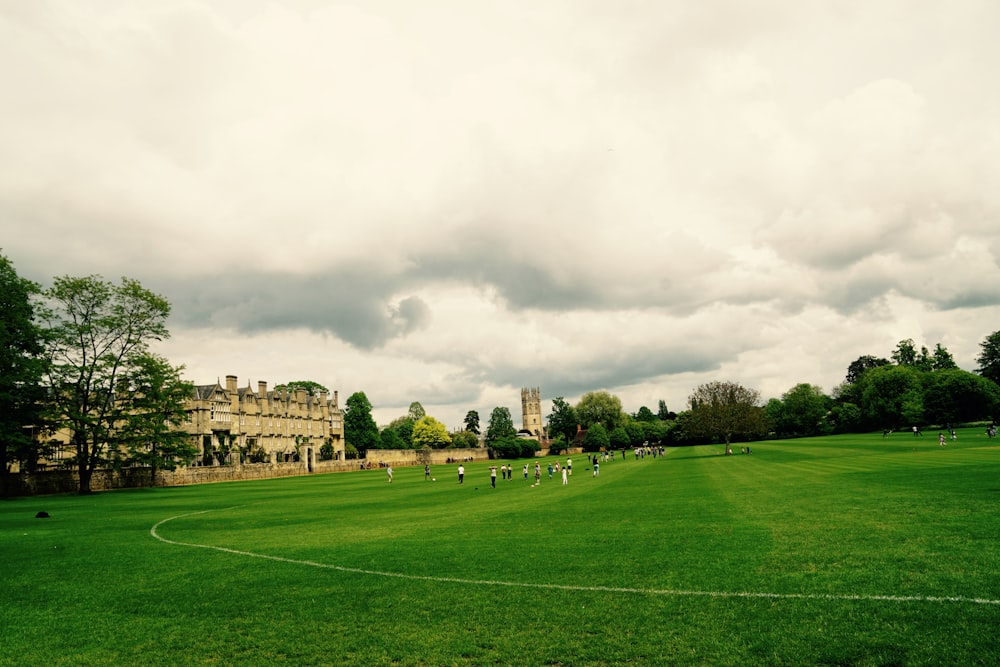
column 443, row 201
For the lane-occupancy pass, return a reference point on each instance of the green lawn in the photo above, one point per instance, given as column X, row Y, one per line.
column 847, row 550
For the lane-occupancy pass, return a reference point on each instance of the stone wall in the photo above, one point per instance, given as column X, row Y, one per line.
column 67, row 481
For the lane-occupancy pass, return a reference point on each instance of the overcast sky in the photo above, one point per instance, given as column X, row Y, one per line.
column 444, row 201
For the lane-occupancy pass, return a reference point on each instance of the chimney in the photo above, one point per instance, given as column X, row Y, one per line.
column 231, row 383
column 262, row 389
column 335, row 399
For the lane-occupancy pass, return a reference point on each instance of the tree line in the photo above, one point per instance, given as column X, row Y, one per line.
column 913, row 387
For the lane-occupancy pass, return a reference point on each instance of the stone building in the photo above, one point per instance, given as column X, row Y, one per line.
column 531, row 413
column 239, row 425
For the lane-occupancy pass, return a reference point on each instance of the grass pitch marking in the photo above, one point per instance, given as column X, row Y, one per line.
column 567, row 587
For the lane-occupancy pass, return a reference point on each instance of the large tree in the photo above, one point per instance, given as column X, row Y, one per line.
column 360, row 429
column 389, row 439
column 723, row 409
column 864, row 363
column 153, row 429
column 562, row 420
column 312, row 388
column 21, row 367
column 600, row 407
column 892, row 396
column 501, row 425
column 953, row 396
column 429, row 432
column 644, row 415
column 465, row 440
column 942, row 360
column 989, row 357
column 98, row 334
column 596, row 439
column 472, row 422
column 802, row 411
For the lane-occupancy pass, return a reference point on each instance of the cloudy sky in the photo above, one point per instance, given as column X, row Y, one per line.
column 444, row 201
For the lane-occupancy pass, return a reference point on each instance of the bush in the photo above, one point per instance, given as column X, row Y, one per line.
column 258, row 455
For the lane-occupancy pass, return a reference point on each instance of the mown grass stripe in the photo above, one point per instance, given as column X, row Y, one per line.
column 566, row 587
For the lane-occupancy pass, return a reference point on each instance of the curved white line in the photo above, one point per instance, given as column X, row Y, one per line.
column 567, row 587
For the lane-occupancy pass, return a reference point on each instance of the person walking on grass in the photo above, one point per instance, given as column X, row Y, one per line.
column 538, row 473
column 940, row 439
column 493, row 476
column 427, row 472
column 388, row 471
column 461, row 474
column 565, row 478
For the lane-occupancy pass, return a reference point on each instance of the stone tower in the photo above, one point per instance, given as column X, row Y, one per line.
column 531, row 411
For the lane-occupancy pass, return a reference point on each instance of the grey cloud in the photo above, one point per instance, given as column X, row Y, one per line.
column 605, row 368
column 353, row 306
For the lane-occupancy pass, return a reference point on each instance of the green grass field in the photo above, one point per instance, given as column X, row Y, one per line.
column 847, row 550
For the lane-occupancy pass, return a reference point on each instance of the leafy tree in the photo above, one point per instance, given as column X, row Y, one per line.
column 153, row 428
column 654, row 432
column 905, row 353
column 390, row 439
column 403, row 426
column 21, row 368
column 864, row 363
column 636, row 431
column 312, row 388
column 97, row 335
column 845, row 417
column 512, row 447
column 472, row 422
column 803, row 408
column 645, row 414
column 596, row 439
column 618, row 438
column 359, row 427
column 663, row 413
column 600, row 407
column 941, row 359
column 723, row 410
column 429, row 432
column 558, row 445
column 681, row 431
column 562, row 421
column 501, row 426
column 465, row 440
column 989, row 357
column 953, row 396
column 325, row 451
column 416, row 411
column 774, row 414
column 893, row 396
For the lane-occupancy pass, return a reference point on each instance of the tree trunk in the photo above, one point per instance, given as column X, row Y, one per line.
column 85, row 475
column 84, row 468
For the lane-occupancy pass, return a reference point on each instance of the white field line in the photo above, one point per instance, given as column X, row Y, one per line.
column 566, row 587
